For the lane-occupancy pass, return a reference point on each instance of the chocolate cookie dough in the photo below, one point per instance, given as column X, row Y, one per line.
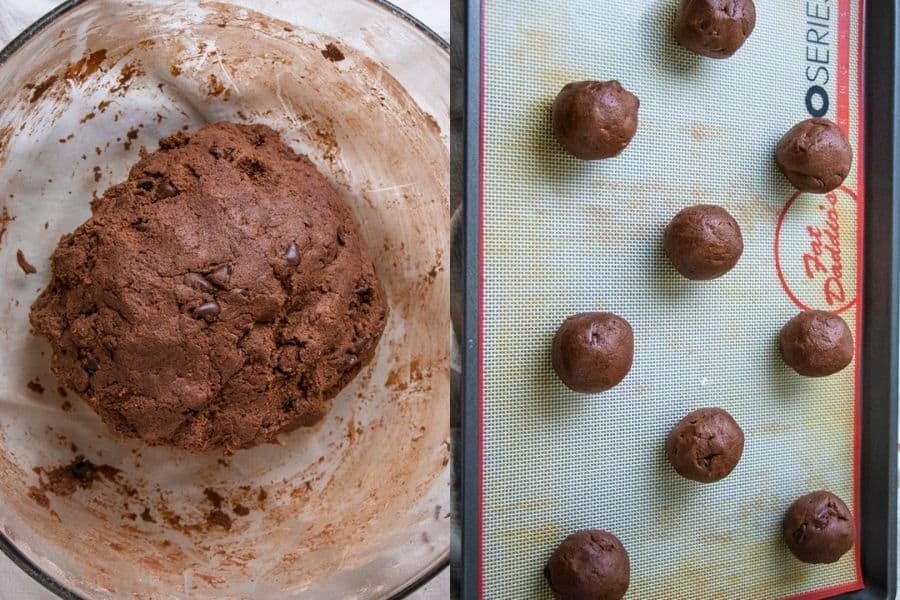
column 818, row 528
column 220, row 296
column 706, row 445
column 592, row 352
column 594, row 119
column 814, row 155
column 26, row 266
column 589, row 565
column 714, row 28
column 703, row 242
column 816, row 343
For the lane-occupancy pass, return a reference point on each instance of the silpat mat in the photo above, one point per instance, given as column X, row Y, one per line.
column 561, row 236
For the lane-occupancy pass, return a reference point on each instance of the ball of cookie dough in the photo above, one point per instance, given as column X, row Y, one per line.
column 816, row 343
column 706, row 445
column 714, row 28
column 594, row 119
column 814, row 155
column 818, row 528
column 218, row 297
column 703, row 242
column 589, row 565
column 592, row 352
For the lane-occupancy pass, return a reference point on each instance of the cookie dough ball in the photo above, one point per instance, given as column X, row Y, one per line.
column 589, row 565
column 594, row 119
column 592, row 352
column 818, row 528
column 814, row 155
column 706, row 445
column 703, row 242
column 714, row 28
column 816, row 343
column 219, row 296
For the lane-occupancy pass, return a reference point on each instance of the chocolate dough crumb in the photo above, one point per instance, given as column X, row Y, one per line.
column 333, row 53
column 214, row 497
column 217, row 517
column 131, row 135
column 26, row 266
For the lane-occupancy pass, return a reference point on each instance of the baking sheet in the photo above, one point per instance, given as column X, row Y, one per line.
column 356, row 507
column 562, row 236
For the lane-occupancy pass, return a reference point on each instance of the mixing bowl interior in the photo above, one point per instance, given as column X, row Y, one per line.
column 356, row 507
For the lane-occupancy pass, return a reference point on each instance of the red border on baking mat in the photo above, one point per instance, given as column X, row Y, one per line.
column 829, row 592
column 843, row 109
column 842, row 114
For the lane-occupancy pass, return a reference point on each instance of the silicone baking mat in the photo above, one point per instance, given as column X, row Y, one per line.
column 561, row 236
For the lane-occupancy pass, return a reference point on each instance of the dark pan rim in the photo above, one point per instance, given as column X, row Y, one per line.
column 6, row 545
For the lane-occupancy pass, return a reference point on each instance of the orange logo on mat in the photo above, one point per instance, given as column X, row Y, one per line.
column 815, row 249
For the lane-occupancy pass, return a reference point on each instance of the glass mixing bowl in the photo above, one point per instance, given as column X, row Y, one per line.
column 357, row 507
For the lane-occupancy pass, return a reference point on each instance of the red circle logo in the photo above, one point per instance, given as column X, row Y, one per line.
column 816, row 249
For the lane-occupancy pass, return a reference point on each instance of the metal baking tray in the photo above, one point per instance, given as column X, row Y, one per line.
column 872, row 59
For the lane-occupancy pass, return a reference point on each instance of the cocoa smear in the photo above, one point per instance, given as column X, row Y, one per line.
column 394, row 381
column 38, row 495
column 129, row 72
column 432, row 124
column 39, row 89
column 86, row 66
column 35, row 386
column 5, row 134
column 78, row 71
column 215, row 518
column 215, row 86
column 26, row 266
column 64, row 480
column 219, row 519
column 5, row 220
